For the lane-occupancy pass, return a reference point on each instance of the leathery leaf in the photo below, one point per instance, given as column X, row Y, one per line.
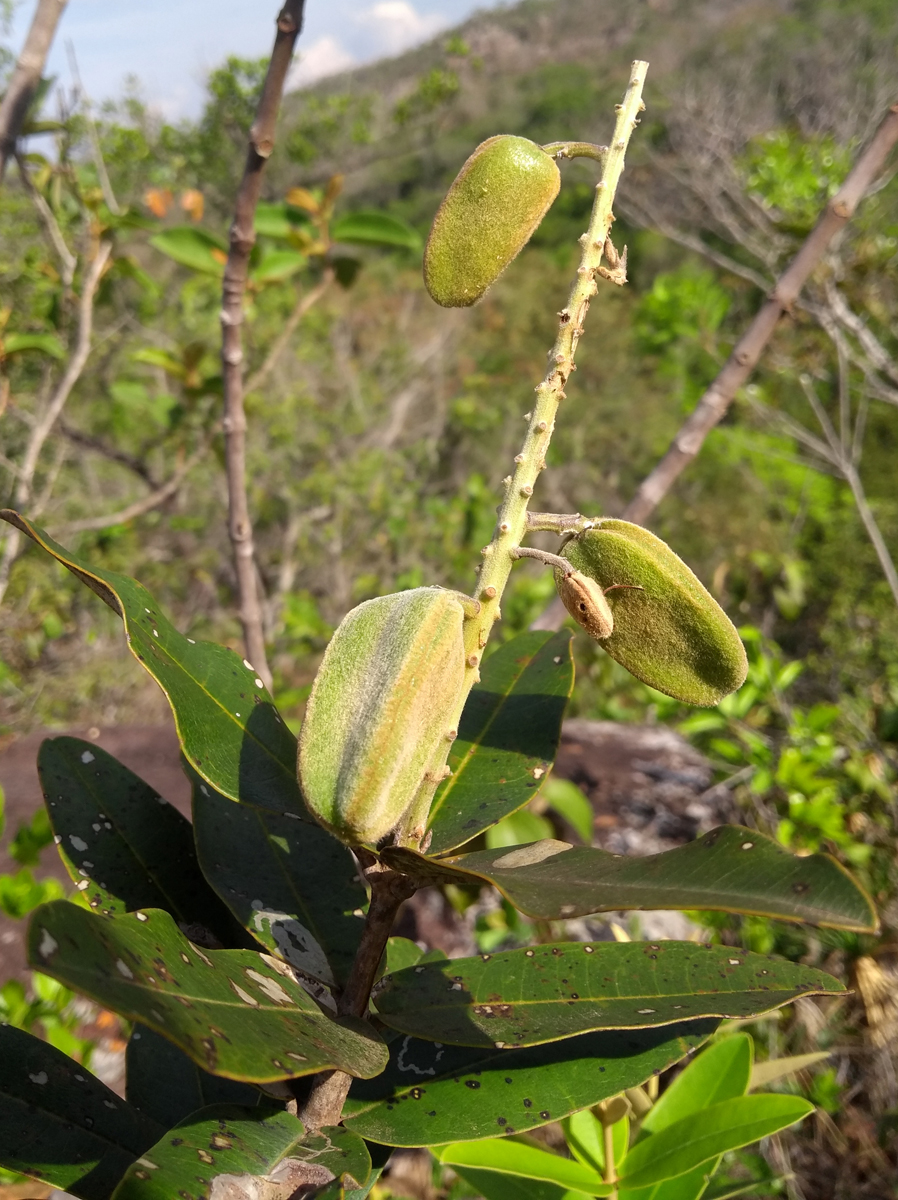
column 668, row 630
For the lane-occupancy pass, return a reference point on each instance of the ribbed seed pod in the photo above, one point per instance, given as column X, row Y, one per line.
column 666, row 629
column 490, row 212
column 384, row 698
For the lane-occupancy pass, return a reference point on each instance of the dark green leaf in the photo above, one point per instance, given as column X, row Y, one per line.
column 375, row 229
column 400, row 952
column 290, row 883
column 234, row 1012
column 163, row 1083
column 46, row 343
column 526, row 1162
column 507, row 737
column 194, row 248
column 123, row 845
column 275, row 265
column 227, row 1140
column 725, row 1126
column 60, row 1124
column 431, row 1094
column 228, row 725
column 730, row 869
column 526, row 997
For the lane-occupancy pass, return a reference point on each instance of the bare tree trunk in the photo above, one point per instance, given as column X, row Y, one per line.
column 261, row 143
column 27, row 76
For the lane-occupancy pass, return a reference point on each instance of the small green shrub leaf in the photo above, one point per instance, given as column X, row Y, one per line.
column 526, row 1162
column 725, row 1126
column 124, row 846
column 669, row 631
column 507, row 737
column 289, row 883
column 431, row 1094
column 275, row 265
column 225, row 1139
column 59, row 1124
column 167, row 1086
column 195, row 248
column 44, row 343
column 547, row 992
column 488, row 216
column 227, row 723
column 730, row 869
column 234, row 1012
column 721, row 1072
column 375, row 229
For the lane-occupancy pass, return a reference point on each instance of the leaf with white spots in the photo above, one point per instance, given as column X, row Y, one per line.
column 547, row 992
column 730, row 869
column 59, row 1124
column 224, row 1149
column 235, row 1013
column 116, row 834
column 431, row 1094
column 507, row 737
column 290, row 883
column 227, row 723
column 163, row 1083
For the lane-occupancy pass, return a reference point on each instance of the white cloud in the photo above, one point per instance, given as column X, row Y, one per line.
column 395, row 25
column 326, row 56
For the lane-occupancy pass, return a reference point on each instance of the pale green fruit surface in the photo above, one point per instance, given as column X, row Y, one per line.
column 672, row 634
column 383, row 701
column 489, row 214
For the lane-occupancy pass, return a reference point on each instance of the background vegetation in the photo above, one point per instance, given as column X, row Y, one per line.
column 381, row 428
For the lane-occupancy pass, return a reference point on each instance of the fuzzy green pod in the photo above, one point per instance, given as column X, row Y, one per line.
column 667, row 629
column 385, row 696
column 489, row 214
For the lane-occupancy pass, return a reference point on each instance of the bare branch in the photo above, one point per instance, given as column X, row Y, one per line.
column 717, row 399
column 873, row 348
column 261, row 143
column 97, row 154
column 50, row 224
column 113, row 453
column 27, row 76
column 139, row 507
column 43, row 426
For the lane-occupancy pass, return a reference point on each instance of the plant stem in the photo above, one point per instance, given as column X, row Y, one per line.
column 27, row 76
column 388, row 890
column 576, row 150
column 242, row 239
column 511, row 526
column 610, row 1168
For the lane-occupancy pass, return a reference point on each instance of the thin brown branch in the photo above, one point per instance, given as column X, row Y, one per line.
column 49, row 223
column 242, row 239
column 873, row 348
column 26, row 76
column 90, row 442
column 305, row 302
column 717, row 399
column 45, row 422
column 147, row 504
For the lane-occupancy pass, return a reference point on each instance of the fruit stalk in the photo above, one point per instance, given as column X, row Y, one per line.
column 511, row 525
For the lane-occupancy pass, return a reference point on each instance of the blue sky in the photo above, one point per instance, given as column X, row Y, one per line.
column 170, row 45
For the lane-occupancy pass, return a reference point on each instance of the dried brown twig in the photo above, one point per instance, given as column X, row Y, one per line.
column 27, row 76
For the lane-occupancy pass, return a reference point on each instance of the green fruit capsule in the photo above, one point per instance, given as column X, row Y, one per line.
column 385, row 697
column 489, row 214
column 665, row 627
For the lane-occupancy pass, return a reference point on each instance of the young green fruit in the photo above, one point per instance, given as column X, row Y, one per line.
column 665, row 627
column 385, row 698
column 489, row 214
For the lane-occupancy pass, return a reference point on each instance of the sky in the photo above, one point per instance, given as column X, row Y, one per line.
column 171, row 45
